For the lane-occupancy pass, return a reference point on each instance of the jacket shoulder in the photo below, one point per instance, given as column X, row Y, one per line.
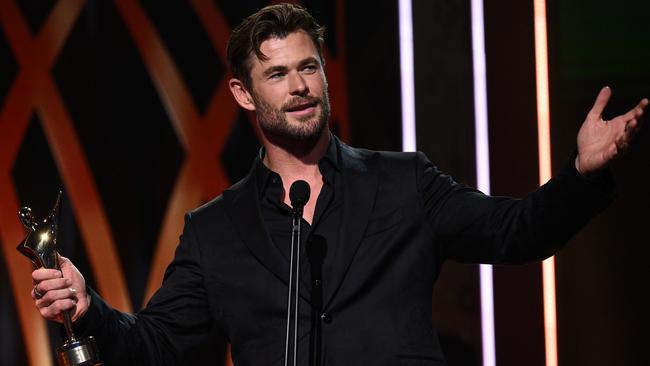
column 398, row 158
column 210, row 212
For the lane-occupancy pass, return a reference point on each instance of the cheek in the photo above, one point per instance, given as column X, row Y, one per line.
column 273, row 95
column 317, row 84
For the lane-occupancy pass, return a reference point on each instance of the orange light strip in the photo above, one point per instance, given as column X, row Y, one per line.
column 544, row 145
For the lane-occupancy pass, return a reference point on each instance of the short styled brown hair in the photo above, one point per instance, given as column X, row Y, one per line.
column 274, row 21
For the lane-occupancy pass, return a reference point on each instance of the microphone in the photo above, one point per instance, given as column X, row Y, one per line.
column 299, row 196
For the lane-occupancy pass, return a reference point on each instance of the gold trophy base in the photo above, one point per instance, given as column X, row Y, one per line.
column 79, row 352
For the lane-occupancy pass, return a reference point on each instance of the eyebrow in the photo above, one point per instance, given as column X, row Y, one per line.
column 274, row 69
column 282, row 68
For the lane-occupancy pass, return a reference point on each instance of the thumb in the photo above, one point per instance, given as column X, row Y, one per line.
column 64, row 262
column 601, row 102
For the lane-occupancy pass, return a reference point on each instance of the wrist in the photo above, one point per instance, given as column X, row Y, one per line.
column 588, row 174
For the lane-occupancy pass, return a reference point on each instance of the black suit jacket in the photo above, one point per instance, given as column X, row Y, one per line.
column 401, row 219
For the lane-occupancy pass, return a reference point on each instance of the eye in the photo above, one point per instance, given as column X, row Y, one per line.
column 276, row 76
column 310, row 68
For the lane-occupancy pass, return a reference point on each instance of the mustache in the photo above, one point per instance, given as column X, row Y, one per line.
column 300, row 101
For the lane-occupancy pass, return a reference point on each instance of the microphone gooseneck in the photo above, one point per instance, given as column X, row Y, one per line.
column 299, row 196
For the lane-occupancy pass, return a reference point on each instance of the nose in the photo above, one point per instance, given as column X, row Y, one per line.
column 297, row 84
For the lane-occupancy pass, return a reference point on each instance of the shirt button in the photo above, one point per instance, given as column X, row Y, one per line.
column 326, row 318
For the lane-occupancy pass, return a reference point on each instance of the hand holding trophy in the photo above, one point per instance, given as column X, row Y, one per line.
column 40, row 247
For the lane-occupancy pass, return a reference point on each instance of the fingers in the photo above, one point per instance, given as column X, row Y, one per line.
column 639, row 110
column 57, row 295
column 631, row 120
column 61, row 290
column 621, row 144
column 53, row 284
column 51, row 289
column 43, row 274
column 601, row 102
column 636, row 112
column 52, row 293
column 630, row 129
column 54, row 310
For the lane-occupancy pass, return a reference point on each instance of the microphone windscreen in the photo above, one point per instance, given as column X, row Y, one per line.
column 299, row 193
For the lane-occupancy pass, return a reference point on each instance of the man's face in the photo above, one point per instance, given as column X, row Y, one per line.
column 289, row 89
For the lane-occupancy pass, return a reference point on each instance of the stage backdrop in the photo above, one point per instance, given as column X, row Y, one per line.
column 124, row 105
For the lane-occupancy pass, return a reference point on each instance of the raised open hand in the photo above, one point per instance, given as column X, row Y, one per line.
column 600, row 141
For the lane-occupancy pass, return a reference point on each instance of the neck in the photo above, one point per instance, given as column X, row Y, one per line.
column 296, row 161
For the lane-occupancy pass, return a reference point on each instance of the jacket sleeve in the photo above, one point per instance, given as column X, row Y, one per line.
column 176, row 318
column 475, row 228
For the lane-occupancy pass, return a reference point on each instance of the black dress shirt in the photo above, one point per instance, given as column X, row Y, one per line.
column 326, row 222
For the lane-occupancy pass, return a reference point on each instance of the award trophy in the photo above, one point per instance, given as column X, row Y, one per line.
column 40, row 247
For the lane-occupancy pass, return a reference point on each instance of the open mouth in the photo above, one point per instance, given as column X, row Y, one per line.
column 302, row 109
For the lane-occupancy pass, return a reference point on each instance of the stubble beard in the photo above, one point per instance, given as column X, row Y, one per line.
column 277, row 128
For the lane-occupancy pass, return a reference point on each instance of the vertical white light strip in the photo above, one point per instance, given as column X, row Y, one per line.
column 482, row 172
column 406, row 68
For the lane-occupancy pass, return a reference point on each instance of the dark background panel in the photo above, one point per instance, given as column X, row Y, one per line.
column 444, row 105
column 372, row 42
column 443, row 86
column 603, row 291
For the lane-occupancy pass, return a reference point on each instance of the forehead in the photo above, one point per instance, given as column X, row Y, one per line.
column 286, row 51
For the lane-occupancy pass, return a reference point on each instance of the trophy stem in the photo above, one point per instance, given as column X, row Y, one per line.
column 67, row 324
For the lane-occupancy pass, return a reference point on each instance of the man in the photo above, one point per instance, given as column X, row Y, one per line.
column 388, row 221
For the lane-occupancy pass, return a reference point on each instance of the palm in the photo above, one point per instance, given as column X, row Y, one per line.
column 601, row 141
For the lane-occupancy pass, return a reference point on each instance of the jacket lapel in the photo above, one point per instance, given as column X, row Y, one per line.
column 243, row 207
column 360, row 179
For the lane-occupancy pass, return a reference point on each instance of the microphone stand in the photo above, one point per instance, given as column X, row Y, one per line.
column 299, row 194
column 294, row 263
column 295, row 238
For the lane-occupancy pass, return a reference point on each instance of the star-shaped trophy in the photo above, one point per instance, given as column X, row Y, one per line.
column 40, row 247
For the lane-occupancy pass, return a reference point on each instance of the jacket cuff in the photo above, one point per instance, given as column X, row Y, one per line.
column 90, row 322
column 600, row 185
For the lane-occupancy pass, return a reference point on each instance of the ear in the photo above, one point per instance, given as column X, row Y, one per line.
column 242, row 96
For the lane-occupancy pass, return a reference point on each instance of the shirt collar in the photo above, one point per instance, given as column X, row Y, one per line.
column 332, row 158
